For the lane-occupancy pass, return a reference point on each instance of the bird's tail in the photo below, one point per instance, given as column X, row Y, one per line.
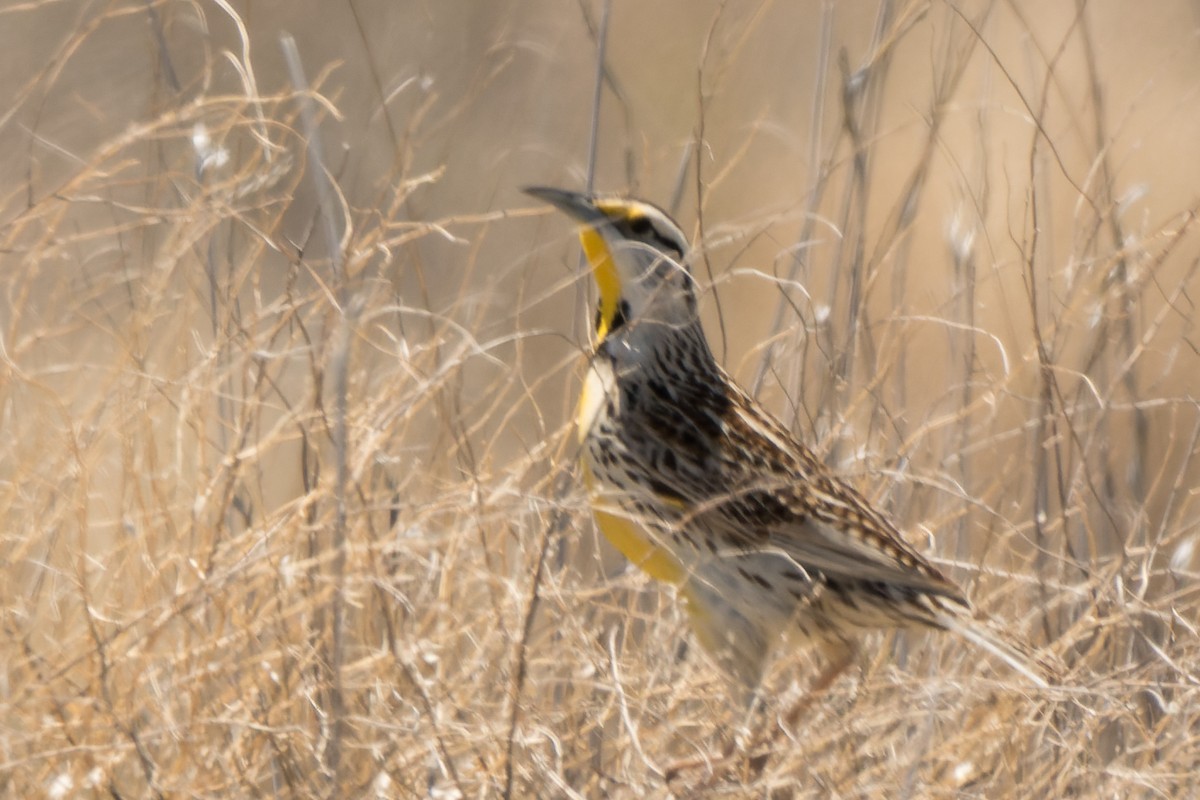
column 1042, row 669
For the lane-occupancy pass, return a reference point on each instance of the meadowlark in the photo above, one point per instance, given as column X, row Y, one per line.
column 700, row 487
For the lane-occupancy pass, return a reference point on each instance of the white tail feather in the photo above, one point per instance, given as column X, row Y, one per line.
column 975, row 632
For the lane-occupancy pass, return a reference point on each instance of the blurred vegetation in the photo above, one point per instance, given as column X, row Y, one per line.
column 287, row 365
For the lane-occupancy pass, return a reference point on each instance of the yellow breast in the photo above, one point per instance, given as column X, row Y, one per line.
column 629, row 537
column 624, row 533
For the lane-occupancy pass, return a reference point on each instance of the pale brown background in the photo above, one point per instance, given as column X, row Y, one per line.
column 1015, row 383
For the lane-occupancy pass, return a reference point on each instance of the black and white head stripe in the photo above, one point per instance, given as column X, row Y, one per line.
column 647, row 223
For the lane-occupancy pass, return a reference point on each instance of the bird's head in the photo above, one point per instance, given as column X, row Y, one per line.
column 638, row 256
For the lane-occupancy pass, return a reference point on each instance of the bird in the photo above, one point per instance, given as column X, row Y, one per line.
column 700, row 487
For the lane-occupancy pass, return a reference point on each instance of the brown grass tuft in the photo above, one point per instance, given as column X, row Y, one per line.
column 286, row 500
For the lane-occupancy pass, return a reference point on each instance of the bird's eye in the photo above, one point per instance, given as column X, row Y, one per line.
column 639, row 225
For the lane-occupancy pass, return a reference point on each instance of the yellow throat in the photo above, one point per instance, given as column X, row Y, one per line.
column 607, row 280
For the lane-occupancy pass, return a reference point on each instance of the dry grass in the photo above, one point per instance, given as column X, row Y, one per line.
column 287, row 364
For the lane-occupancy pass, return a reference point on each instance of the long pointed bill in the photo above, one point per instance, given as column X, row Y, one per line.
column 577, row 205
